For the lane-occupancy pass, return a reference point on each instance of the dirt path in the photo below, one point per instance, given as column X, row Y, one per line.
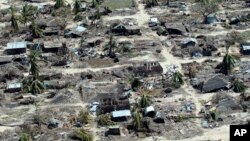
column 223, row 32
column 80, row 70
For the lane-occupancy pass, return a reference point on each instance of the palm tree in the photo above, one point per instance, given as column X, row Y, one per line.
column 84, row 117
column 36, row 31
column 135, row 84
column 239, row 87
column 168, row 2
column 36, row 87
column 82, row 42
column 229, row 62
column 144, row 101
column 98, row 14
column 27, row 14
column 104, row 120
column 77, row 7
column 137, row 120
column 59, row 4
column 94, row 3
column 177, row 79
column 33, row 85
column 14, row 23
column 33, row 59
column 110, row 46
column 83, row 135
column 25, row 137
column 151, row 3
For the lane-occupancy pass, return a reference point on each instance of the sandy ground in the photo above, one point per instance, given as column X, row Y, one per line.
column 220, row 133
column 79, row 70
column 4, row 4
column 3, row 128
column 141, row 16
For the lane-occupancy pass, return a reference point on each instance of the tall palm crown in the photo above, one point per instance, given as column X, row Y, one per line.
column 14, row 22
column 36, row 31
column 34, row 68
column 59, row 4
column 239, row 87
column 144, row 101
column 25, row 137
column 36, row 87
column 84, row 135
column 110, row 46
column 177, row 79
column 229, row 62
column 137, row 120
column 27, row 13
column 77, row 7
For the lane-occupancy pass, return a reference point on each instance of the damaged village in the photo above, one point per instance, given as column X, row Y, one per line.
column 123, row 70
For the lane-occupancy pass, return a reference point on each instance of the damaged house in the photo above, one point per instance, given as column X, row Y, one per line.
column 51, row 26
column 147, row 69
column 5, row 60
column 245, row 49
column 92, row 42
column 14, row 87
column 75, row 32
column 121, row 29
column 14, row 48
column 176, row 28
column 54, row 47
column 214, row 84
column 121, row 115
column 110, row 103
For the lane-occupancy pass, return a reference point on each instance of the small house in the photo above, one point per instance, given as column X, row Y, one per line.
column 149, row 111
column 54, row 84
column 49, row 31
column 234, row 21
column 147, row 69
column 158, row 118
column 92, row 42
column 50, row 76
column 195, row 52
column 211, row 19
column 214, row 84
column 153, row 22
column 14, row 48
column 75, row 32
column 121, row 115
column 44, row 8
column 14, row 87
column 176, row 28
column 54, row 47
column 114, row 130
column 228, row 104
column 190, row 42
column 245, row 49
column 111, row 102
column 5, row 59
column 120, row 29
column 51, row 26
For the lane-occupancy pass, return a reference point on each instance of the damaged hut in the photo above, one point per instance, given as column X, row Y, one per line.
column 14, row 48
column 147, row 69
column 110, row 103
column 214, row 84
column 176, row 28
column 121, row 29
column 54, row 47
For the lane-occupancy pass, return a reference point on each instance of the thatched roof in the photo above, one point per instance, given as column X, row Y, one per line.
column 215, row 83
